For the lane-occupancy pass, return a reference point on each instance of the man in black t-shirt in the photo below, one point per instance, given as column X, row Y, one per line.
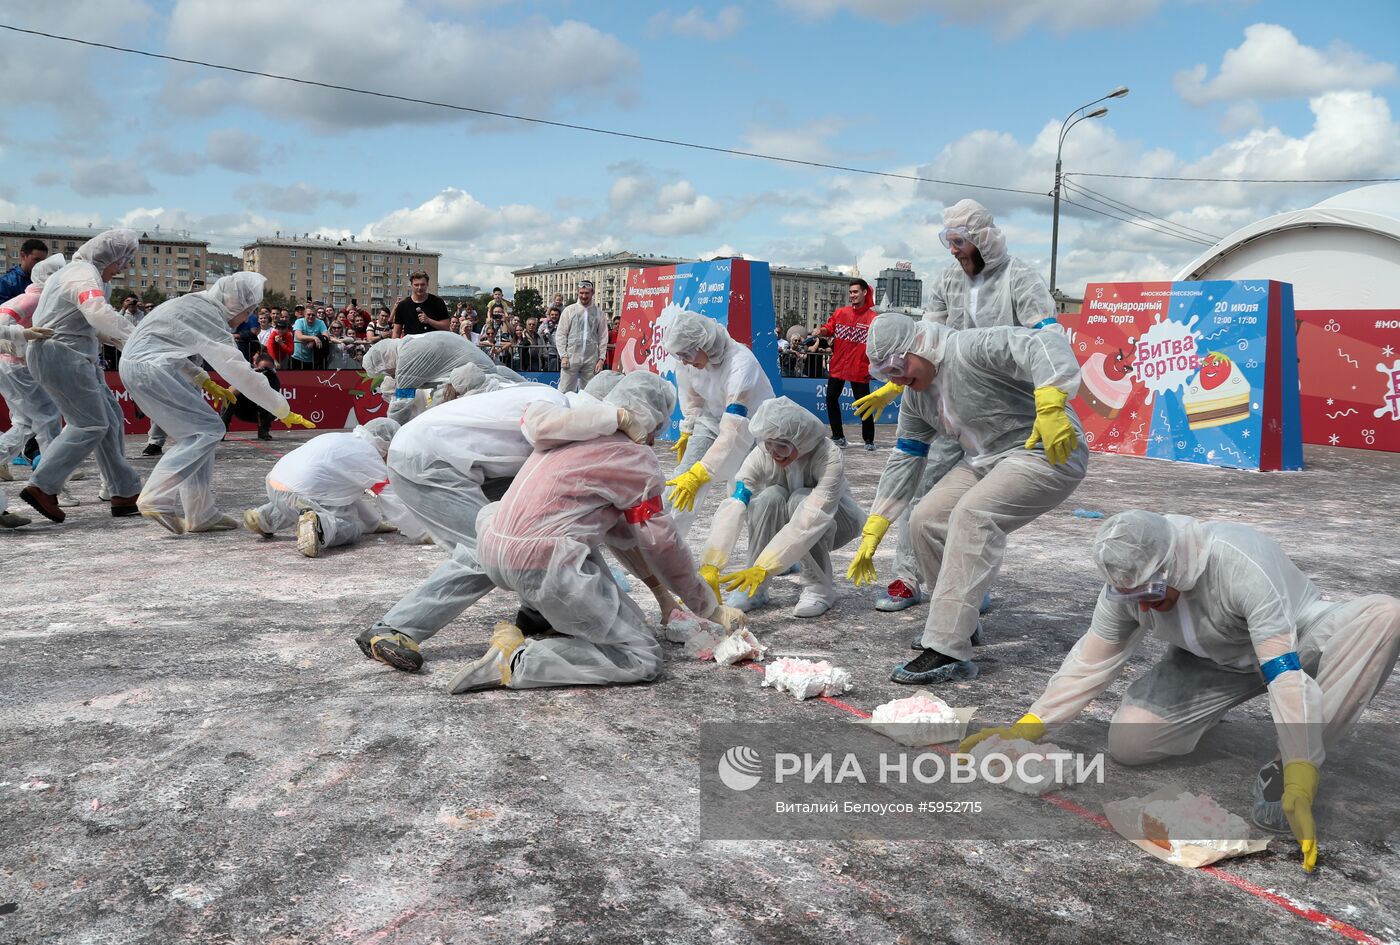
column 421, row 311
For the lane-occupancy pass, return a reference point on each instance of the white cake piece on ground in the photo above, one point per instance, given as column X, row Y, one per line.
column 1039, row 768
column 806, row 679
column 920, row 707
column 738, row 647
column 1194, row 820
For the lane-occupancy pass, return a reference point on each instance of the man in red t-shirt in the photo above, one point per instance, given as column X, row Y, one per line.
column 847, row 327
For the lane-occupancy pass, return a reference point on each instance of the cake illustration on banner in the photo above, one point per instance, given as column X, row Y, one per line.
column 1104, row 384
column 1219, row 394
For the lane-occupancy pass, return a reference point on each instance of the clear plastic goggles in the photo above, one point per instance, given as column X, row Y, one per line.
column 889, row 368
column 685, row 357
column 1150, row 591
column 780, row 450
column 955, row 237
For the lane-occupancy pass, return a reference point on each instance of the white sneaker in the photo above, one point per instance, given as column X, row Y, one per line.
column 309, row 540
column 104, row 494
column 813, row 602
column 66, row 499
column 492, row 669
column 253, row 522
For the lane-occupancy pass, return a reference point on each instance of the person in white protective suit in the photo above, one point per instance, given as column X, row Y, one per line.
column 720, row 384
column 73, row 304
column 982, row 288
column 581, row 340
column 1241, row 620
column 446, row 466
column 420, row 363
column 593, row 480
column 791, row 491
column 32, row 411
column 169, row 388
column 334, row 488
column 1003, row 393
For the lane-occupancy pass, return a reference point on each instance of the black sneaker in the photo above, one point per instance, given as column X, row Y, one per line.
column 152, row 449
column 931, row 666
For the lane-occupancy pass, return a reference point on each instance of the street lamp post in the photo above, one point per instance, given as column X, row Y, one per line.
column 1074, row 118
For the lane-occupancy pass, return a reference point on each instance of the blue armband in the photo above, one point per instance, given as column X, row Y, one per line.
column 912, row 447
column 739, row 410
column 1052, row 320
column 1279, row 665
column 742, row 492
column 405, row 393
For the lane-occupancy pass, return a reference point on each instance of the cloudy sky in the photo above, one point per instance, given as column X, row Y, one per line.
column 947, row 89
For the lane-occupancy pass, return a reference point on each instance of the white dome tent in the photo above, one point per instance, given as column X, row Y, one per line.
column 1341, row 253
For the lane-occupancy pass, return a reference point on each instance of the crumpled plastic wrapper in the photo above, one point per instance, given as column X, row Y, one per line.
column 1040, row 768
column 1229, row 838
column 698, row 635
column 806, row 679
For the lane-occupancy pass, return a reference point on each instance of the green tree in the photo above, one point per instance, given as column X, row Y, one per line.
column 275, row 299
column 153, row 295
column 529, row 304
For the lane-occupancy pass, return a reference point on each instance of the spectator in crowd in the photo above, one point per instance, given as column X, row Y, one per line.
column 499, row 298
column 246, row 335
column 245, row 409
column 847, row 328
column 466, row 327
column 505, row 345
column 531, row 346
column 312, row 342
column 382, row 327
column 421, row 311
column 558, row 301
column 551, row 321
column 16, row 279
column 281, row 340
column 487, row 340
column 338, row 355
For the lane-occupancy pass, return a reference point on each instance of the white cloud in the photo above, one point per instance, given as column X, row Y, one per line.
column 69, row 78
column 642, row 203
column 1272, row 64
column 806, row 142
column 103, row 177
column 224, row 231
column 235, row 150
column 692, row 23
column 298, row 197
column 533, row 67
column 1005, row 17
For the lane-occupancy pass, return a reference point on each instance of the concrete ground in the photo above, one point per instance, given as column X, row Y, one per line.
column 194, row 750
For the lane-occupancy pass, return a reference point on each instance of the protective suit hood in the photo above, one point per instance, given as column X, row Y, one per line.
column 892, row 333
column 379, row 433
column 783, row 420
column 46, row 267
column 113, row 246
column 471, row 379
column 602, row 384
column 236, row 293
column 645, row 395
column 691, row 331
column 976, row 223
column 1132, row 546
column 382, row 357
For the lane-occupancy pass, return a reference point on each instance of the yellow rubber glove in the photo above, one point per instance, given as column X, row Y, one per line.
column 872, row 404
column 687, row 486
column 297, row 420
column 1299, row 790
column 862, row 569
column 710, row 575
column 1052, row 425
column 218, row 393
column 730, row 618
column 679, row 448
column 1028, row 727
column 747, row 580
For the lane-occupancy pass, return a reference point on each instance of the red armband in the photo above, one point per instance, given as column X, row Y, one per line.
column 379, row 487
column 643, row 511
column 89, row 294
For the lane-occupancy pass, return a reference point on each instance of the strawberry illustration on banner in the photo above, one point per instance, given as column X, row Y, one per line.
column 1188, row 371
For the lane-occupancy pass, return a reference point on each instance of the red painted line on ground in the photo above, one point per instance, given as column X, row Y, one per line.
column 389, row 929
column 1239, row 882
